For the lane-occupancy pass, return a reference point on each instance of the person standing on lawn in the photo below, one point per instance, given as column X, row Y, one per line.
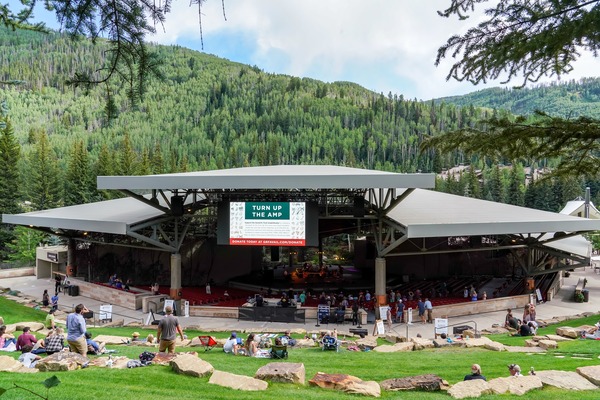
column 76, row 330
column 168, row 327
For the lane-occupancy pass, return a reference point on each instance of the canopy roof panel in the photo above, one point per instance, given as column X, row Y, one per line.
column 110, row 216
column 425, row 213
column 272, row 177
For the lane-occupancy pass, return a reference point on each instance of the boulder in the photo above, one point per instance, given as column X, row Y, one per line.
column 495, row 330
column 591, row 373
column 282, row 372
column 494, row 346
column 531, row 343
column 238, row 382
column 346, row 383
column 34, row 326
column 441, row 343
column 565, row 380
column 472, row 388
column 421, row 343
column 469, row 333
column 558, row 338
column 118, row 362
column 9, row 364
column 114, row 323
column 548, row 344
column 189, row 364
column 63, row 361
column 166, row 358
column 428, row 382
column 367, row 342
column 523, row 349
column 572, row 333
column 394, row 338
column 109, row 339
column 401, row 346
column 517, row 385
column 477, row 342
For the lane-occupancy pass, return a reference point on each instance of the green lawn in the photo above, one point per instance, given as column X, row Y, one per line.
column 160, row 382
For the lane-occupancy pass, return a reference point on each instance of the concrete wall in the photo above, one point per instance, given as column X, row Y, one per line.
column 130, row 300
column 17, row 272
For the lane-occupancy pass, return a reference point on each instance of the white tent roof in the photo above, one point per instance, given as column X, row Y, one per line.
column 272, row 177
column 110, row 216
column 425, row 213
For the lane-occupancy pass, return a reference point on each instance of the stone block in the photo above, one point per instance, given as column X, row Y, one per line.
column 565, row 380
column 238, row 382
column 282, row 372
column 346, row 383
column 189, row 364
column 472, row 388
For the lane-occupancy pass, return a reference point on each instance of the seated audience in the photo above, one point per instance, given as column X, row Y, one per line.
column 93, row 347
column 514, row 369
column 251, row 346
column 27, row 358
column 25, row 339
column 135, row 337
column 49, row 322
column 6, row 338
column 55, row 341
column 155, row 288
column 594, row 333
column 475, row 373
column 287, row 339
column 231, row 345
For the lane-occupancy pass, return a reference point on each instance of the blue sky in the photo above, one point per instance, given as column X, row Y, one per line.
column 383, row 45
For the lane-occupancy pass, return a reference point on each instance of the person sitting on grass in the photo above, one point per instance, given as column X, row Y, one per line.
column 475, row 373
column 231, row 345
column 251, row 346
column 593, row 333
column 93, row 346
column 287, row 339
column 55, row 341
column 49, row 321
column 514, row 370
column 6, row 339
column 25, row 339
column 135, row 337
column 27, row 358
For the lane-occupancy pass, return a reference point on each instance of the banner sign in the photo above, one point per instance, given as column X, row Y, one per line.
column 267, row 223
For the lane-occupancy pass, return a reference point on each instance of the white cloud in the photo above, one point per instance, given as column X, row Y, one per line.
column 393, row 42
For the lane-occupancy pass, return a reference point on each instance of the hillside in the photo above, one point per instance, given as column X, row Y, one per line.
column 569, row 99
column 209, row 113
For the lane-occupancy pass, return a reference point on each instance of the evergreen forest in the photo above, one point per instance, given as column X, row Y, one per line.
column 211, row 113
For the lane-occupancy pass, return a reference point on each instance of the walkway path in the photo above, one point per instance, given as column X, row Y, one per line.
column 561, row 305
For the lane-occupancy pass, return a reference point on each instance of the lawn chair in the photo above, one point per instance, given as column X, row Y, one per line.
column 279, row 352
column 208, row 342
column 330, row 343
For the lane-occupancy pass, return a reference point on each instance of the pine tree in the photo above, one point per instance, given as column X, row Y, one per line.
column 10, row 152
column 78, row 180
column 127, row 157
column 516, row 190
column 44, row 188
column 156, row 161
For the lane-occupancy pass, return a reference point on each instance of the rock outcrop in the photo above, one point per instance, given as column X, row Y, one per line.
column 238, row 382
column 346, row 383
column 282, row 372
column 192, row 365
column 428, row 382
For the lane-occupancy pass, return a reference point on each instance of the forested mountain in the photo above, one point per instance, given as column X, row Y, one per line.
column 210, row 113
column 567, row 99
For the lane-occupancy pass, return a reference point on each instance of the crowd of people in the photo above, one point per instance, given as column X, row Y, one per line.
column 526, row 326
column 513, row 370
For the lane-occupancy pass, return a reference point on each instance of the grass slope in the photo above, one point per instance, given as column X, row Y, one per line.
column 161, row 382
